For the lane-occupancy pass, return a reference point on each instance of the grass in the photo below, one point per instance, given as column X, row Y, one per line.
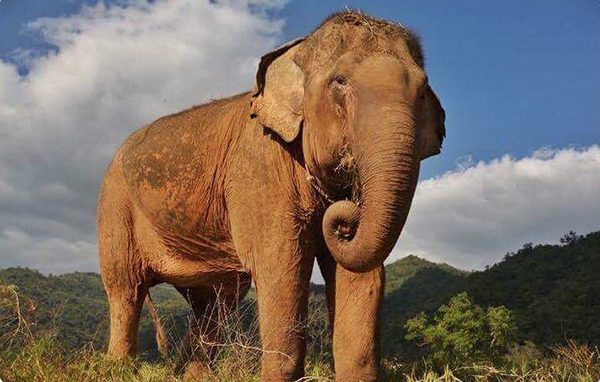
column 28, row 354
column 44, row 360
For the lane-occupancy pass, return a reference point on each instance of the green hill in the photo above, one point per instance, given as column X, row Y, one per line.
column 400, row 271
column 553, row 290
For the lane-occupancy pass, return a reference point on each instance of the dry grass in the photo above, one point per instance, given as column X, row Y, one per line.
column 348, row 173
column 29, row 355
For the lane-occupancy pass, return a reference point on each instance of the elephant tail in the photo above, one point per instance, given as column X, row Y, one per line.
column 161, row 336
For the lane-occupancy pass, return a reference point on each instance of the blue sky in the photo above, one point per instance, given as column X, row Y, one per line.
column 518, row 80
column 513, row 76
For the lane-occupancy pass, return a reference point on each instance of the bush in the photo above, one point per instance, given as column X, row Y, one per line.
column 461, row 332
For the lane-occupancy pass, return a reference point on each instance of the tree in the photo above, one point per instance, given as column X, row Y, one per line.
column 462, row 332
column 570, row 238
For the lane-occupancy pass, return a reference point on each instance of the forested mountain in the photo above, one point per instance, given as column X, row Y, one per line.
column 553, row 291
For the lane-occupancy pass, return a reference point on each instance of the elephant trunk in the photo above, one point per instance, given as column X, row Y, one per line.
column 361, row 234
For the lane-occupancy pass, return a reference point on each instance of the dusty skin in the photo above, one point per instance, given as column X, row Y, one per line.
column 319, row 161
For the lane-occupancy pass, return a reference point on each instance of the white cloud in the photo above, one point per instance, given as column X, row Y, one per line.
column 115, row 69
column 472, row 216
column 52, row 254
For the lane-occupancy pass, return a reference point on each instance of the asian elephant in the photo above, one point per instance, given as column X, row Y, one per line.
column 319, row 161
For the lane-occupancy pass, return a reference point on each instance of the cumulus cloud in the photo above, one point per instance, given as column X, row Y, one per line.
column 472, row 216
column 114, row 69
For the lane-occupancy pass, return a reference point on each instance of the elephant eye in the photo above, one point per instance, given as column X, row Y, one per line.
column 337, row 86
column 338, row 79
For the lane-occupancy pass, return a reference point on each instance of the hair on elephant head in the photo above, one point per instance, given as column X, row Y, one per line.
column 356, row 91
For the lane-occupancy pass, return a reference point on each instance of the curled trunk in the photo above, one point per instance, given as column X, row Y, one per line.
column 360, row 236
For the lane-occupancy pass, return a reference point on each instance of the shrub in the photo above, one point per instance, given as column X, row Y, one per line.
column 461, row 332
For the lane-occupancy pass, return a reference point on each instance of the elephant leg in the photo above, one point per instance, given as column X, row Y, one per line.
column 273, row 241
column 126, row 288
column 282, row 293
column 356, row 301
column 210, row 305
column 125, row 278
column 327, row 266
column 125, row 303
column 197, row 349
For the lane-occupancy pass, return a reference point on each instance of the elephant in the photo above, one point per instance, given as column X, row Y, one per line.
column 319, row 161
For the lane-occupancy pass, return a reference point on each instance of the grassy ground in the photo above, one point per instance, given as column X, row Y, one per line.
column 27, row 354
column 43, row 360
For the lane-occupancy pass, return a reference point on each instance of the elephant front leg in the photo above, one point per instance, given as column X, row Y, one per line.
column 354, row 301
column 282, row 293
column 274, row 242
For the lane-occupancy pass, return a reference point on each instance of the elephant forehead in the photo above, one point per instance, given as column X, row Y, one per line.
column 362, row 34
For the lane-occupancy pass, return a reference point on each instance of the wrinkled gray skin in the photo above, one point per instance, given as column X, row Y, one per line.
column 320, row 160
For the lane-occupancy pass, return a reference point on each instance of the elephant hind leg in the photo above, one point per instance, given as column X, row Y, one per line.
column 125, row 306
column 124, row 275
column 211, row 306
column 126, row 286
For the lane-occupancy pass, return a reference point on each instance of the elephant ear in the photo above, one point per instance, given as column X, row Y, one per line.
column 279, row 92
column 434, row 131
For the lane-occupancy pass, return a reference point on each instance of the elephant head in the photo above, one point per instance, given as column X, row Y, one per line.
column 355, row 91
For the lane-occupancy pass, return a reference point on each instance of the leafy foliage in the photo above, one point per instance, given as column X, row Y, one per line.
column 462, row 332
